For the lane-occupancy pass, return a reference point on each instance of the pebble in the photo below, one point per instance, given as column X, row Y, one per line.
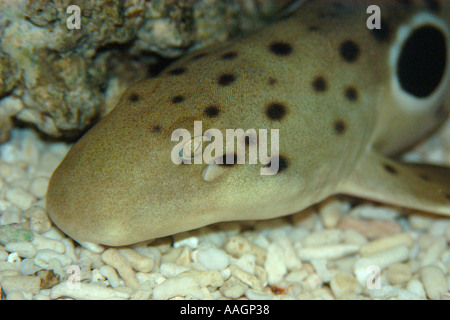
column 434, row 282
column 344, row 285
column 189, row 284
column 41, row 242
column 233, row 288
column 181, row 240
column 375, row 246
column 170, row 270
column 15, row 233
column 150, row 279
column 275, row 264
column 212, row 258
column 39, row 221
column 419, row 222
column 433, row 252
column 247, row 263
column 179, row 255
column 291, row 260
column 38, row 187
column 48, row 163
column 249, row 279
column 21, row 283
column 137, row 261
column 3, row 254
column 312, row 282
column 296, row 276
column 238, row 246
column 321, row 268
column 110, row 273
column 10, row 216
column 14, row 259
column 327, row 252
column 20, row 198
column 323, row 237
column 28, row 268
column 15, row 295
column 141, row 294
column 123, row 267
column 331, row 213
column 47, row 258
column 371, row 229
column 48, row 279
column 86, row 291
column 5, row 266
column 23, row 248
column 365, row 268
column 10, row 172
column 398, row 273
column 93, row 247
column 369, row 211
column 97, row 277
column 253, row 294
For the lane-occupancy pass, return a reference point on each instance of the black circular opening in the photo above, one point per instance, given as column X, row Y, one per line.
column 422, row 61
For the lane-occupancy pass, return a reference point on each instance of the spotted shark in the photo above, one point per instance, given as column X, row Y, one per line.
column 347, row 84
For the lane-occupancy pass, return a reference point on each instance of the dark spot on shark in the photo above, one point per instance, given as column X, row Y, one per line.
column 281, row 49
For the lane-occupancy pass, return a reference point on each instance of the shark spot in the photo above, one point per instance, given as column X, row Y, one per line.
column 229, row 55
column 156, row 129
column 134, row 97
column 280, row 48
column 349, row 51
column 226, row 79
column 275, row 111
column 339, row 127
column 313, row 28
column 178, row 99
column 351, row 94
column 319, row 84
column 382, row 34
column 212, row 111
column 272, row 81
column 390, row 169
column 283, row 164
column 228, row 164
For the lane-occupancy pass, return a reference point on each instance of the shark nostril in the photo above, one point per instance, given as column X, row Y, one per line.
column 216, row 168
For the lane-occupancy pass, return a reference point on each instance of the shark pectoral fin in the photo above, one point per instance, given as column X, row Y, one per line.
column 414, row 186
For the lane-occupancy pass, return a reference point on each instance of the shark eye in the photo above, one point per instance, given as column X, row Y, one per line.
column 419, row 63
column 422, row 61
